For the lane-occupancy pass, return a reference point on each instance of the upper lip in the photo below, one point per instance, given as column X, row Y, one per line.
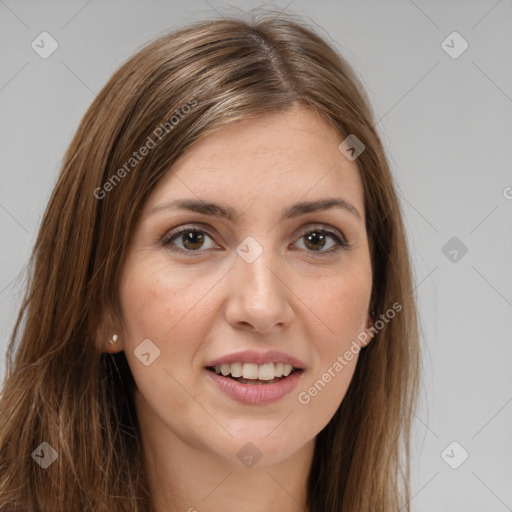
column 252, row 356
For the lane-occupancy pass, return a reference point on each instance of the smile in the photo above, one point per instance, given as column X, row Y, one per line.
column 255, row 391
column 254, row 372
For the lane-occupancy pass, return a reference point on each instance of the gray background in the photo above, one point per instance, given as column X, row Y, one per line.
column 447, row 125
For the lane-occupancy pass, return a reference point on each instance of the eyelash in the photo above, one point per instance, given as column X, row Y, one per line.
column 168, row 238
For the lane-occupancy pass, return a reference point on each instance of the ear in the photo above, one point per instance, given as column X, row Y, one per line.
column 108, row 336
column 370, row 322
column 366, row 335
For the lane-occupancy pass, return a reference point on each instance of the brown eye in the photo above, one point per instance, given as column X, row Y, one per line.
column 191, row 239
column 317, row 239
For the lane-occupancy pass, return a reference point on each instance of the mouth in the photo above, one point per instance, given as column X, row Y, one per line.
column 255, row 374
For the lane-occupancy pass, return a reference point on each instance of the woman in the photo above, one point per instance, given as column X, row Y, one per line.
column 220, row 312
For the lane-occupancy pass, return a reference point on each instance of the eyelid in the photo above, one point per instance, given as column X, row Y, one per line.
column 340, row 239
column 311, row 226
column 173, row 233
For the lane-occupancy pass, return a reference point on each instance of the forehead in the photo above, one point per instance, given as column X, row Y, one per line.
column 267, row 161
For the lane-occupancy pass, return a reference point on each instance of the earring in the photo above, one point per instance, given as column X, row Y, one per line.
column 113, row 339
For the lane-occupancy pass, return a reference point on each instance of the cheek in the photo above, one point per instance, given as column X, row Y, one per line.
column 170, row 308
column 344, row 312
column 161, row 304
column 341, row 304
column 338, row 310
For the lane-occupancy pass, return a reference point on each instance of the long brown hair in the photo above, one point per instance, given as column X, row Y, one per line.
column 60, row 390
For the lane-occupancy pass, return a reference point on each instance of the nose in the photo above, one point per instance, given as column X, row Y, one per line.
column 259, row 296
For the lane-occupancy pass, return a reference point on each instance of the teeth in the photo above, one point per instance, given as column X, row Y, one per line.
column 236, row 369
column 287, row 369
column 254, row 371
column 250, row 371
column 266, row 371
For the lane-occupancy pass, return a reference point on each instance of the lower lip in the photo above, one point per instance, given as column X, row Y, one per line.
column 256, row 393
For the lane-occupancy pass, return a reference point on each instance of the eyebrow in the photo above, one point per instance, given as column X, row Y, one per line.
column 229, row 213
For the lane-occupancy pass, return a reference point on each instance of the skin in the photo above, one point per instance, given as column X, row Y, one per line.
column 208, row 302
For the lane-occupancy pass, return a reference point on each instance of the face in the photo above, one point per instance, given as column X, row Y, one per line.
column 284, row 284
